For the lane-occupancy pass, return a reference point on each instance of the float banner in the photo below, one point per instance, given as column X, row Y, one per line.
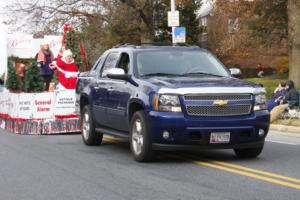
column 25, row 106
column 3, row 104
column 43, row 105
column 64, row 105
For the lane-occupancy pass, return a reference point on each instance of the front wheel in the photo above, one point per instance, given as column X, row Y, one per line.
column 249, row 152
column 140, row 140
column 89, row 135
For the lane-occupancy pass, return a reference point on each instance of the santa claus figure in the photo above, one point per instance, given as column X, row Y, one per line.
column 67, row 71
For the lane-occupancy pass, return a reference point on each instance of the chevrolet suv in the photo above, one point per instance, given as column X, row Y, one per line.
column 170, row 98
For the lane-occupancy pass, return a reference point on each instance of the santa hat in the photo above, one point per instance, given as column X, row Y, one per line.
column 67, row 53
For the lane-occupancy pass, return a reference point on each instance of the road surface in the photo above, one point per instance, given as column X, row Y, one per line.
column 62, row 167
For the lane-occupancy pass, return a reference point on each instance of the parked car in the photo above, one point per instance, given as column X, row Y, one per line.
column 170, row 98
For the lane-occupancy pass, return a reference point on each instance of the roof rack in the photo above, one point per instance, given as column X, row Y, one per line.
column 124, row 45
column 153, row 44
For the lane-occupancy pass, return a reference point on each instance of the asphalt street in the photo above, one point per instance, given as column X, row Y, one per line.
column 62, row 167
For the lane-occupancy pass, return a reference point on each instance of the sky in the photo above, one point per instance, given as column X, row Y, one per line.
column 4, row 15
column 3, row 3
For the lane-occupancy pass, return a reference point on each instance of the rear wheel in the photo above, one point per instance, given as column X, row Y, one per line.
column 140, row 140
column 89, row 135
column 248, row 153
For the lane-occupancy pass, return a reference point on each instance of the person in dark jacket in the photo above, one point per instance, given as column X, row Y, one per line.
column 45, row 57
column 277, row 96
column 292, row 96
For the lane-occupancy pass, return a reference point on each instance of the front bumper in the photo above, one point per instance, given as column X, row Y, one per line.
column 189, row 133
column 178, row 147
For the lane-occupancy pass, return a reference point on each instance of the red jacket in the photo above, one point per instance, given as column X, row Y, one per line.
column 68, row 83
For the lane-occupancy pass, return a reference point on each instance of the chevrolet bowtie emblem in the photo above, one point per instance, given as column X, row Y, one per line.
column 220, row 102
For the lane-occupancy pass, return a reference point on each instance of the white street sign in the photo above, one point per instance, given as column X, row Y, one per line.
column 173, row 18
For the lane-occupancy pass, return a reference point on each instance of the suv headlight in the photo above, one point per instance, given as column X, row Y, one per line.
column 260, row 102
column 167, row 103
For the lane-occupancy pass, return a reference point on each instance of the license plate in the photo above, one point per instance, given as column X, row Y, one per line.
column 219, row 137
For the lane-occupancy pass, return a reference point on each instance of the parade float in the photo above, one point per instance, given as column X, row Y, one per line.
column 31, row 111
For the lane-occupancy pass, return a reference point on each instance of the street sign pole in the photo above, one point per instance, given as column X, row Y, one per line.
column 173, row 8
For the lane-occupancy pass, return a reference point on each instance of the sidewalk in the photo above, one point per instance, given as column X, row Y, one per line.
column 284, row 128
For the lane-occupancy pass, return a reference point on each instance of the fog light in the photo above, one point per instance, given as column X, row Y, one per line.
column 166, row 135
column 261, row 132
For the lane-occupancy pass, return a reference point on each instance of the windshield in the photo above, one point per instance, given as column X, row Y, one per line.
column 179, row 63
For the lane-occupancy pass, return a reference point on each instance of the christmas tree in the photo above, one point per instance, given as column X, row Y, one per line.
column 72, row 43
column 33, row 81
column 13, row 81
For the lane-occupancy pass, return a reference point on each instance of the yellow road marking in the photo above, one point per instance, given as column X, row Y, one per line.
column 256, row 171
column 233, row 168
column 267, row 179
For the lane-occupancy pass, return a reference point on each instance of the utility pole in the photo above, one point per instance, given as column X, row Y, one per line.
column 173, row 9
column 178, row 33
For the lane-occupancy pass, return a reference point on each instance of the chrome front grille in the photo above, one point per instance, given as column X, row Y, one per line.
column 217, row 96
column 216, row 111
column 204, row 105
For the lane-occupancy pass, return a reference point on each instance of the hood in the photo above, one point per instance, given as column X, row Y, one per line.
column 183, row 82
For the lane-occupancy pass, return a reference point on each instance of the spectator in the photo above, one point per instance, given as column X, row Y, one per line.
column 292, row 96
column 44, row 58
column 261, row 70
column 290, row 100
column 278, row 95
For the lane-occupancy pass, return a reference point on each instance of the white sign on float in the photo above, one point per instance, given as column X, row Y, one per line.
column 173, row 18
column 25, row 46
column 43, row 105
column 64, row 103
column 25, row 105
column 3, row 103
column 3, row 50
column 12, row 105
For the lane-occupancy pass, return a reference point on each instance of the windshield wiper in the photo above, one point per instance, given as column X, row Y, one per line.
column 160, row 74
column 201, row 73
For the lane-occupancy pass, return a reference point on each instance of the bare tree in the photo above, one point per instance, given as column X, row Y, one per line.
column 53, row 14
column 294, row 40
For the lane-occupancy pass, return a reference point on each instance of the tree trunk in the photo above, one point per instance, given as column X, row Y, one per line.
column 294, row 40
column 146, row 35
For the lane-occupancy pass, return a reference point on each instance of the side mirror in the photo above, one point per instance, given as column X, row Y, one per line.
column 236, row 72
column 117, row 73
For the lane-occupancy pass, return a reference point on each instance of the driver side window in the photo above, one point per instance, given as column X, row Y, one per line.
column 124, row 63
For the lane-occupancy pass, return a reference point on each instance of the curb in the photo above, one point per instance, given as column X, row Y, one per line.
column 290, row 129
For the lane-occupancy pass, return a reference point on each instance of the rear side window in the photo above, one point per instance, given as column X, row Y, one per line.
column 110, row 62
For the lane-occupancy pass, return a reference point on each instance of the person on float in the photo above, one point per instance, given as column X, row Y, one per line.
column 67, row 71
column 44, row 58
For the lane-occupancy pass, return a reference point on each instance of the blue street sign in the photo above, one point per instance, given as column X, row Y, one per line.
column 179, row 35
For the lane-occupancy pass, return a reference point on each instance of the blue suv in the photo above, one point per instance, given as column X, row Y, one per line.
column 170, row 98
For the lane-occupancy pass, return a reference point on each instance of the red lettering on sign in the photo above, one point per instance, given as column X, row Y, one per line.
column 41, row 109
column 42, row 102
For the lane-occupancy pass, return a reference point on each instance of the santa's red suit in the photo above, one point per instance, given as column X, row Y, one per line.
column 66, row 72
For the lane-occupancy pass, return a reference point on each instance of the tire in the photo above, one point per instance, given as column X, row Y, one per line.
column 140, row 139
column 248, row 153
column 89, row 135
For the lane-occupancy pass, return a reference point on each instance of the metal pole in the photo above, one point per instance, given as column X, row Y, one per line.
column 173, row 8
